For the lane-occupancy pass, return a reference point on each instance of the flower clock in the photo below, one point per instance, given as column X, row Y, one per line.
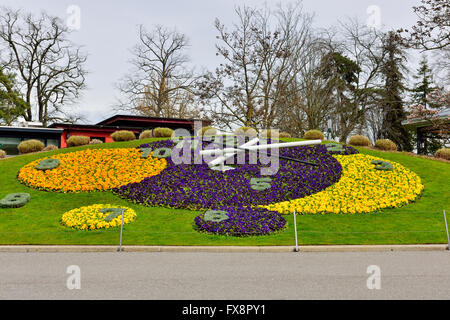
column 238, row 191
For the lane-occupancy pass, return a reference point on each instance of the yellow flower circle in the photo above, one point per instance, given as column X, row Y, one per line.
column 92, row 217
column 361, row 189
column 92, row 170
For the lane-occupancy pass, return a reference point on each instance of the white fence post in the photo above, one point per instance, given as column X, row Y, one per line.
column 295, row 229
column 121, row 232
column 446, row 229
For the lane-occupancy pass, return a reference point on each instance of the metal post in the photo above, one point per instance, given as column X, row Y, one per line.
column 295, row 229
column 446, row 229
column 121, row 232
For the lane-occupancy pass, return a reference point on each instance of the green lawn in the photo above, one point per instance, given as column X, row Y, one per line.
column 38, row 221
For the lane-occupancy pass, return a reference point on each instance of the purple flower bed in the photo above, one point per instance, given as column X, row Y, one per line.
column 198, row 187
column 243, row 222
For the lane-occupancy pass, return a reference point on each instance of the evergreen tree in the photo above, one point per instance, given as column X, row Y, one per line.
column 424, row 84
column 11, row 104
column 423, row 87
column 392, row 102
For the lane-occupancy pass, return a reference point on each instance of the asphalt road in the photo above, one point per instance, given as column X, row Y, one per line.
column 185, row 276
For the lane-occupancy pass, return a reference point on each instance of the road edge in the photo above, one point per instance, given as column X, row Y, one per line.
column 219, row 249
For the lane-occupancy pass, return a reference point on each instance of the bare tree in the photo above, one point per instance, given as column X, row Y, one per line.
column 49, row 67
column 159, row 85
column 250, row 87
column 310, row 94
column 432, row 30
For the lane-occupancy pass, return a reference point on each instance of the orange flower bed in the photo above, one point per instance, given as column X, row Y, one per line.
column 92, row 170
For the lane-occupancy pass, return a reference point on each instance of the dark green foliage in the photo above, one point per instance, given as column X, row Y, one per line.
column 48, row 164
column 12, row 104
column 382, row 165
column 15, row 200
column 216, row 216
column 335, row 147
column 115, row 212
column 162, row 153
column 145, row 152
column 424, row 85
column 260, row 184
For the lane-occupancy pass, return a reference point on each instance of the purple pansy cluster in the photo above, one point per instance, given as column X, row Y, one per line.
column 243, row 222
column 197, row 187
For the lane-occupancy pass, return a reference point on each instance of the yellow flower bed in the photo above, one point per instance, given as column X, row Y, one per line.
column 361, row 189
column 92, row 170
column 90, row 217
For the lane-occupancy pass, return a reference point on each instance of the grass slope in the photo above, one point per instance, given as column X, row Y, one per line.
column 39, row 221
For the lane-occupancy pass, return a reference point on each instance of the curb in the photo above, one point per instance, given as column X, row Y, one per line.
column 221, row 249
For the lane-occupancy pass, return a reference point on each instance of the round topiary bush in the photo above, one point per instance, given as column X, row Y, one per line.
column 15, row 200
column 96, row 141
column 359, row 141
column 123, row 135
column 2, row 154
column 386, row 145
column 146, row 134
column 270, row 134
column 313, row 135
column 443, row 153
column 30, row 146
column 207, row 131
column 246, row 131
column 48, row 164
column 162, row 132
column 50, row 148
column 284, row 135
column 75, row 141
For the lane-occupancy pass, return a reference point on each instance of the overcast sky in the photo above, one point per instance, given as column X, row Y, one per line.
column 108, row 30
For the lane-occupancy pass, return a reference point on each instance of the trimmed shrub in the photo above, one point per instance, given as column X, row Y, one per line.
column 207, row 131
column 284, row 135
column 2, row 154
column 386, row 145
column 96, row 141
column 359, row 141
column 15, row 200
column 270, row 134
column 48, row 164
column 335, row 147
column 30, row 146
column 443, row 153
column 382, row 165
column 246, row 131
column 123, row 135
column 75, row 141
column 216, row 216
column 313, row 135
column 50, row 148
column 146, row 134
column 162, row 132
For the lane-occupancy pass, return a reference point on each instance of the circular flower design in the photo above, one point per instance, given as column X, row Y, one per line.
column 92, row 170
column 97, row 216
column 361, row 189
column 196, row 186
column 243, row 222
